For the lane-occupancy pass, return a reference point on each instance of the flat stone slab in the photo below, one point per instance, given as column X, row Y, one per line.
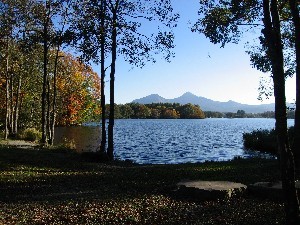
column 18, row 143
column 209, row 190
column 271, row 190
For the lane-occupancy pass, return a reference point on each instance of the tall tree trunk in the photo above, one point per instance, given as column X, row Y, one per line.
column 296, row 142
column 53, row 109
column 48, row 133
column 272, row 33
column 103, row 119
column 11, row 93
column 45, row 75
column 44, row 94
column 110, row 150
column 17, row 106
column 53, row 114
column 7, row 96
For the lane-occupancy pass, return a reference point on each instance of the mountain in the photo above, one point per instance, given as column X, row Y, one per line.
column 207, row 104
column 154, row 98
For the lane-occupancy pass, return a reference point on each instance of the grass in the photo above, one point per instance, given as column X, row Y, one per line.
column 58, row 187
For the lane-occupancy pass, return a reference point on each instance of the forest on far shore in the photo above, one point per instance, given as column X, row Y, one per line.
column 70, row 116
column 179, row 111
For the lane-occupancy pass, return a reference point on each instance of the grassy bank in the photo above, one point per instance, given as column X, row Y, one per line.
column 53, row 187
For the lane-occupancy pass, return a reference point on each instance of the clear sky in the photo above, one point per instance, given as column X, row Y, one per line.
column 206, row 70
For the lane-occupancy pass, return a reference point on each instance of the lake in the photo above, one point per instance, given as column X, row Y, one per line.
column 170, row 141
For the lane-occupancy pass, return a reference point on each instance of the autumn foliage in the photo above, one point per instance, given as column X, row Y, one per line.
column 78, row 92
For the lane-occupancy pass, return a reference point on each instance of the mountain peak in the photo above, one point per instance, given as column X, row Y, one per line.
column 188, row 94
column 154, row 95
column 153, row 98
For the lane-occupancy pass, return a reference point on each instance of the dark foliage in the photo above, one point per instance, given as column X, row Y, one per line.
column 264, row 140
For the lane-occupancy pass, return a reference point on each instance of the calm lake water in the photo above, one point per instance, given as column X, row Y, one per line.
column 170, row 141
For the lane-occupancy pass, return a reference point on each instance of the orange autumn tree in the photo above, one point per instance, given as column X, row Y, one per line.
column 78, row 89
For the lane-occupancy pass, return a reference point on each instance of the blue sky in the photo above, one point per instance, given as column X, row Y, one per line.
column 199, row 67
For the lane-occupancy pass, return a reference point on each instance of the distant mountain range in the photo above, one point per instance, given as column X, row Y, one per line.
column 207, row 104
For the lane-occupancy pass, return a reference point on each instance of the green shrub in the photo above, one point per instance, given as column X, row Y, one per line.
column 31, row 134
column 264, row 140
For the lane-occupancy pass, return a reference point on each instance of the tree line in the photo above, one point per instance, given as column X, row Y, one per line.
column 179, row 111
column 158, row 111
column 243, row 114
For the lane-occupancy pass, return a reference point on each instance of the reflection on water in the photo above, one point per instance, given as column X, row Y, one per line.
column 170, row 141
column 86, row 138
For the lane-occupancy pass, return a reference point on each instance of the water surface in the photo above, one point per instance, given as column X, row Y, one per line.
column 171, row 141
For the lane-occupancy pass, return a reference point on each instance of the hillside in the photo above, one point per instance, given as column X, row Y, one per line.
column 207, row 104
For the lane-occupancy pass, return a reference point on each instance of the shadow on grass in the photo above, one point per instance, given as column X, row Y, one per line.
column 47, row 175
column 51, row 187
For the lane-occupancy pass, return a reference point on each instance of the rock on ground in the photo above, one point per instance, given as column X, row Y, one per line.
column 272, row 190
column 209, row 190
column 18, row 143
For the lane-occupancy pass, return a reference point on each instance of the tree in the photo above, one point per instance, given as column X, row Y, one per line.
column 170, row 114
column 78, row 89
column 44, row 18
column 114, row 7
column 103, row 41
column 15, row 20
column 126, row 111
column 294, row 7
column 155, row 113
column 22, row 69
column 50, row 18
column 189, row 111
column 122, row 28
column 221, row 23
column 141, row 111
column 61, row 37
column 210, row 114
column 136, row 47
column 90, row 25
column 8, row 27
column 272, row 35
column 240, row 113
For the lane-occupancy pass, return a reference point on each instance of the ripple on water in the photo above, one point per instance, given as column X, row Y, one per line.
column 171, row 141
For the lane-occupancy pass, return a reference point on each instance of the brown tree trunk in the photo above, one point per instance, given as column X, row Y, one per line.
column 272, row 35
column 11, row 93
column 7, row 98
column 44, row 96
column 103, row 117
column 45, row 75
column 54, row 106
column 17, row 107
column 48, row 131
column 53, row 111
column 110, row 150
column 296, row 142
